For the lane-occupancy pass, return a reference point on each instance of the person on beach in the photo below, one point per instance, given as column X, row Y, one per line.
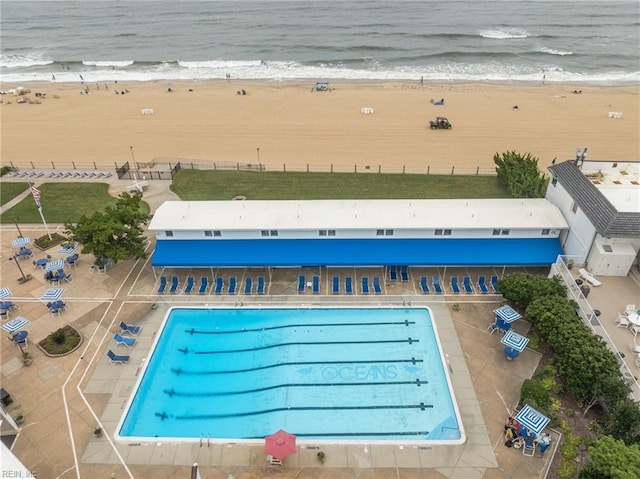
column 543, row 440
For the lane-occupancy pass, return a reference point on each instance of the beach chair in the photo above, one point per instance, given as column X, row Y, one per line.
column 125, row 341
column 248, row 285
column 437, row 287
column 455, row 287
column 424, row 285
column 404, row 274
column 393, row 273
column 219, row 285
column 204, row 285
column 260, row 285
column 232, row 285
column 335, row 285
column 482, row 284
column 302, row 283
column 377, row 288
column 494, row 284
column 188, row 287
column 348, row 285
column 129, row 328
column 117, row 358
column 466, row 284
column 315, row 284
column 175, row 284
column 365, row 285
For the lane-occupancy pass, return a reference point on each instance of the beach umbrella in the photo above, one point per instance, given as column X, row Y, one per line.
column 15, row 324
column 20, row 242
column 515, row 341
column 5, row 292
column 532, row 419
column 55, row 265
column 280, row 444
column 507, row 313
column 52, row 294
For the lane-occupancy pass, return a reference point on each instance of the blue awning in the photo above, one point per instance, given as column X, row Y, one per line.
column 356, row 252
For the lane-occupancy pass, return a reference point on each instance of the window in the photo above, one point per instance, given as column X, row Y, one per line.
column 217, row 233
column 447, row 232
column 264, row 233
column 546, row 231
column 273, row 232
column 322, row 232
column 388, row 232
column 505, row 232
column 208, row 233
column 379, row 232
column 438, row 233
column 168, row 233
column 574, row 207
column 496, row 233
column 331, row 232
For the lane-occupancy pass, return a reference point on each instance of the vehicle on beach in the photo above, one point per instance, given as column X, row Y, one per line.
column 440, row 123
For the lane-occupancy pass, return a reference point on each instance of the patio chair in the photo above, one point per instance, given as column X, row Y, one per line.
column 130, row 328
column 335, row 285
column 622, row 321
column 437, row 287
column 635, row 348
column 393, row 273
column 219, row 285
column 494, row 284
column 302, row 283
column 4, row 314
column 117, row 358
column 204, row 285
column 404, row 274
column 260, row 285
column 455, row 287
column 248, row 285
column 634, row 329
column 162, row 286
column 529, row 448
column 188, row 287
column 348, row 285
column 175, row 284
column 466, row 284
column 233, row 284
column 493, row 327
column 365, row 285
column 377, row 288
column 424, row 285
column 482, row 285
column 631, row 308
column 125, row 341
column 315, row 284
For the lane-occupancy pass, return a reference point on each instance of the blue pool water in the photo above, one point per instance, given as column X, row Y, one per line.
column 370, row 374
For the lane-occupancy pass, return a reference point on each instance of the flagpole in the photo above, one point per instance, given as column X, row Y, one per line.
column 36, row 197
column 44, row 222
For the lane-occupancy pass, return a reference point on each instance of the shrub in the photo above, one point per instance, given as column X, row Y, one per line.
column 58, row 336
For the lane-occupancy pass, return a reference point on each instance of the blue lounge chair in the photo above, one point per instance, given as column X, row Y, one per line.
column 482, row 285
column 248, row 285
column 117, row 358
column 466, row 284
column 437, row 287
column 126, row 341
column 129, row 328
column 404, row 274
column 424, row 284
column 335, row 285
column 315, row 284
column 188, row 287
column 348, row 285
column 455, row 287
column 494, row 284
column 393, row 273
column 175, row 284
column 204, row 285
column 162, row 286
column 219, row 285
column 302, row 283
column 232, row 285
column 376, row 285
column 260, row 286
column 365, row 285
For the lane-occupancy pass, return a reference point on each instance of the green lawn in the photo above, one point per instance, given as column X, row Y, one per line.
column 224, row 185
column 9, row 191
column 61, row 202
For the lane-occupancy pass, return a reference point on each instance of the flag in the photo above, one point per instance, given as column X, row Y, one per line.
column 36, row 194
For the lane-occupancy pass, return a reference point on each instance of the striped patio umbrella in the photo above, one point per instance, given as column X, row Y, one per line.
column 15, row 324
column 507, row 313
column 532, row 419
column 52, row 294
column 515, row 340
column 55, row 265
column 5, row 292
column 17, row 243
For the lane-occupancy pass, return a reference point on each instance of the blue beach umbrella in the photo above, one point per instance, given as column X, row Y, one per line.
column 515, row 341
column 55, row 265
column 507, row 313
column 15, row 324
column 18, row 243
column 5, row 292
column 532, row 419
column 52, row 294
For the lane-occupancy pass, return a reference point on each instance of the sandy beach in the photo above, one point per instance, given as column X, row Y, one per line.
column 287, row 123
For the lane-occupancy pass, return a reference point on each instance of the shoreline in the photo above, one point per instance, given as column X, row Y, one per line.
column 293, row 126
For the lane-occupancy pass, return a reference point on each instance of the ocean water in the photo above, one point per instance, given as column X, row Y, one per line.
column 587, row 41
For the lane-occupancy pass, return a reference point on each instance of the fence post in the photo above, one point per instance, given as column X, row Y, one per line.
column 403, row 169
column 307, row 167
column 52, row 165
column 355, row 168
column 94, row 166
column 379, row 169
column 215, row 167
column 115, row 163
column 33, row 167
column 73, row 163
column 428, row 169
column 331, row 167
column 452, row 169
column 477, row 170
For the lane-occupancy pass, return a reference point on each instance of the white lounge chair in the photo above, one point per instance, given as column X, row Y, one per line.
column 588, row 277
column 622, row 321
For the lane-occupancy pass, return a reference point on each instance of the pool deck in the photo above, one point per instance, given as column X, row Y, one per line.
column 64, row 399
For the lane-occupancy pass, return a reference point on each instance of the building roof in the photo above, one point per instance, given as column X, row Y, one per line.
column 606, row 218
column 357, row 214
column 500, row 251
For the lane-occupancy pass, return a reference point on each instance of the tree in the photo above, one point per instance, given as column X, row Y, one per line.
column 115, row 234
column 520, row 174
column 611, row 459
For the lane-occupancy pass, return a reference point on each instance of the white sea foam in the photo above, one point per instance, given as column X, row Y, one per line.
column 504, row 34
column 551, row 51
column 24, row 61
column 91, row 63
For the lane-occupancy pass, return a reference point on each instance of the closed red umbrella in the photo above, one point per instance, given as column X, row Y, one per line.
column 280, row 445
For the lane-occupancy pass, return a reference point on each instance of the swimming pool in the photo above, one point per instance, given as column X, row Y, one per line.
column 323, row 374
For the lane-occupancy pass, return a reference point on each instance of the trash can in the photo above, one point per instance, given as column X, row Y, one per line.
column 585, row 289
